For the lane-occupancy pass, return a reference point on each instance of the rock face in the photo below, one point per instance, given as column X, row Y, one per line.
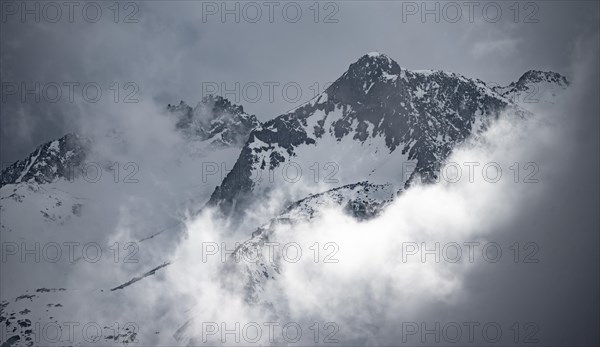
column 371, row 122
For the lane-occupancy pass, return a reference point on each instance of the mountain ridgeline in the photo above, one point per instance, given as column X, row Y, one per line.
column 49, row 162
column 214, row 118
column 349, row 144
column 214, row 122
column 370, row 122
column 376, row 115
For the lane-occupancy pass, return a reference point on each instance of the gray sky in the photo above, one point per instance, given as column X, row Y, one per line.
column 177, row 48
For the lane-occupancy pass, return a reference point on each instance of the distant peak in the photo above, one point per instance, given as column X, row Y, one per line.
column 369, row 70
column 375, row 54
column 376, row 57
column 218, row 99
column 220, row 104
column 217, row 103
column 535, row 76
column 373, row 65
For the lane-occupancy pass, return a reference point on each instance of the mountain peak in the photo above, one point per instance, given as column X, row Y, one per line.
column 221, row 104
column 533, row 87
column 215, row 117
column 536, row 76
column 362, row 75
column 216, row 103
column 50, row 161
column 374, row 64
column 376, row 55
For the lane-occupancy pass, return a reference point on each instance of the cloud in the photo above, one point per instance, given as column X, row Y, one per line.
column 374, row 296
column 505, row 46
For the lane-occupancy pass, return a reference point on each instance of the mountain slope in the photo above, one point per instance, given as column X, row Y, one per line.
column 44, row 200
column 360, row 200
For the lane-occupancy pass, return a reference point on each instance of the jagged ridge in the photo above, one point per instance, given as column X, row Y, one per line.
column 49, row 162
column 423, row 114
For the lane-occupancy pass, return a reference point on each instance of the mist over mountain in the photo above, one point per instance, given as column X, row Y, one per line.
column 357, row 171
column 309, row 173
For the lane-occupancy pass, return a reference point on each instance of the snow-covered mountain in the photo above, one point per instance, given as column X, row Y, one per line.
column 534, row 87
column 49, row 162
column 45, row 199
column 22, row 323
column 52, row 188
column 377, row 122
column 357, row 145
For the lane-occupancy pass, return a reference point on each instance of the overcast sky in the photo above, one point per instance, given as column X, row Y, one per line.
column 181, row 50
column 161, row 52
